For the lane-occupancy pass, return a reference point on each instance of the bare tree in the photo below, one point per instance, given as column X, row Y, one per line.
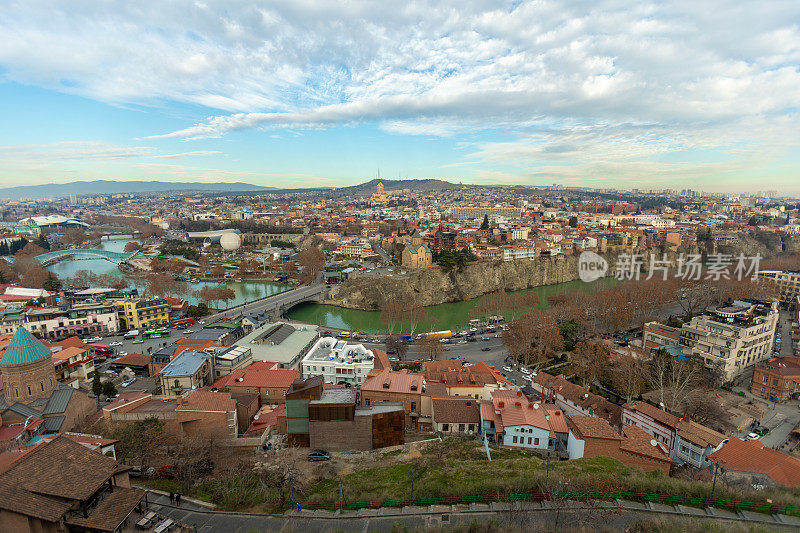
column 628, row 377
column 431, row 349
column 533, row 338
column 589, row 359
column 674, row 379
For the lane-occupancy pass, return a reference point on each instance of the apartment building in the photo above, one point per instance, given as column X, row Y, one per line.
column 732, row 337
column 511, row 420
column 338, row 362
column 142, row 314
column 512, row 252
column 477, row 213
column 60, row 322
column 788, row 282
column 777, row 379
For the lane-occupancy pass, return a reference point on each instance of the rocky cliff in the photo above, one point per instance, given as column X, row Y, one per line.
column 433, row 286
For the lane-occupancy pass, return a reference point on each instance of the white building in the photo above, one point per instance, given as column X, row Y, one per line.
column 60, row 322
column 338, row 362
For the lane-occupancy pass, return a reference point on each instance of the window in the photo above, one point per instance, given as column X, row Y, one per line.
column 446, row 427
column 529, row 440
column 472, row 427
column 536, row 441
column 461, row 427
column 41, row 384
column 414, row 406
column 515, row 439
column 29, row 390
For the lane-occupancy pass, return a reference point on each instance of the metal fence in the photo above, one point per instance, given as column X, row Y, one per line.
column 667, row 499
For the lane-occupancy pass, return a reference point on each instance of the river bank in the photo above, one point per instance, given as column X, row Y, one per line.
column 433, row 286
column 449, row 315
column 245, row 290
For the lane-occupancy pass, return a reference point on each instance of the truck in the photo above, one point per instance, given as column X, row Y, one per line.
column 438, row 334
column 132, row 334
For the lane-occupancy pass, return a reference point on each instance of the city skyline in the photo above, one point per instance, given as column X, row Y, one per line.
column 595, row 95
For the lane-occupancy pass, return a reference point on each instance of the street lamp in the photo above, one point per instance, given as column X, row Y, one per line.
column 716, row 467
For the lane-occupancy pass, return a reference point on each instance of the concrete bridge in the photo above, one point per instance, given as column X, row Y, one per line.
column 83, row 253
column 277, row 304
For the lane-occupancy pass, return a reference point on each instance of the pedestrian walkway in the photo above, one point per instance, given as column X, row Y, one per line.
column 621, row 514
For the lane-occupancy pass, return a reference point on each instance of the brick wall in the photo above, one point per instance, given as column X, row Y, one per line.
column 342, row 435
column 79, row 407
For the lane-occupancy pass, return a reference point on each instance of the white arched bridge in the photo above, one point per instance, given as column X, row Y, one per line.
column 83, row 253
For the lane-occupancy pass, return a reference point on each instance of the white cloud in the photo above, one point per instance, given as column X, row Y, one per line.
column 589, row 82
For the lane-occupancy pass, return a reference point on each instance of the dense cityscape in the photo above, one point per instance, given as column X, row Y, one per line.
column 425, row 267
column 347, row 333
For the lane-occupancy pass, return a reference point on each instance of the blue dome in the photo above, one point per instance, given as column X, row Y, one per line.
column 24, row 348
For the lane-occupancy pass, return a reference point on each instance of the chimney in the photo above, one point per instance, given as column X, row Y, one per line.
column 501, row 404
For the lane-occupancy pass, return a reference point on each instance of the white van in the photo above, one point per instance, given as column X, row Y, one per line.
column 132, row 334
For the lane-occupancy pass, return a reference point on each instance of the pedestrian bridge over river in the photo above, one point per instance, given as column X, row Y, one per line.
column 83, row 253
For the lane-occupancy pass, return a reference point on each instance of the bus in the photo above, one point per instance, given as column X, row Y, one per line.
column 180, row 323
column 101, row 350
column 156, row 333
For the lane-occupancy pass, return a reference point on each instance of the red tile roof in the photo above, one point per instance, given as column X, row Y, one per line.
column 260, row 375
column 591, row 427
column 753, row 456
column 397, row 382
column 640, row 442
column 455, row 411
column 206, row 400
column 659, row 415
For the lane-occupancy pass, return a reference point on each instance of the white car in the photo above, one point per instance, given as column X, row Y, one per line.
column 115, row 343
column 128, row 382
column 122, row 353
column 752, row 436
column 507, row 369
column 188, row 331
column 524, row 370
column 92, row 339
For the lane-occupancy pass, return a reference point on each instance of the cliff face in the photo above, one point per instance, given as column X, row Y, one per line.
column 433, row 286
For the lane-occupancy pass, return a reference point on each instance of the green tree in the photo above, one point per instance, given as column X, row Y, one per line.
column 109, row 389
column 52, row 283
column 97, row 385
column 573, row 222
column 485, row 223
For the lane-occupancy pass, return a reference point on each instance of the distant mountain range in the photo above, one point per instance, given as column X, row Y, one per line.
column 61, row 190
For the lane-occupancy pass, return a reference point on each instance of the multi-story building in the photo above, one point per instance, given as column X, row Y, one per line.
column 338, row 362
column 777, row 379
column 261, row 378
column 511, row 420
column 142, row 314
column 404, row 386
column 189, row 370
column 731, row 338
column 788, row 282
column 60, row 322
column 512, row 252
column 477, row 213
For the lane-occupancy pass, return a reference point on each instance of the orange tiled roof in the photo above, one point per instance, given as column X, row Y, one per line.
column 397, row 382
column 260, row 374
column 753, row 456
column 206, row 400
column 638, row 441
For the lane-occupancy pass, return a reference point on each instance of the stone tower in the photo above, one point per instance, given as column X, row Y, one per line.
column 27, row 369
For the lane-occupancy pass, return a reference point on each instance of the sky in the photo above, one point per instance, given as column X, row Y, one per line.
column 701, row 95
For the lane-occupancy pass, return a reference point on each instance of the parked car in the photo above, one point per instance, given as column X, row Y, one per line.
column 137, row 341
column 752, row 436
column 761, row 430
column 484, row 338
column 507, row 369
column 128, row 382
column 167, row 472
column 486, row 349
column 115, row 343
column 319, row 455
column 122, row 353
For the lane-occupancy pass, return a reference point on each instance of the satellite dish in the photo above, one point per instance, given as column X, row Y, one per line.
column 653, row 442
column 230, row 241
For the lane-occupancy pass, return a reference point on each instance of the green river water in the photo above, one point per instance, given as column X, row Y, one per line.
column 454, row 315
